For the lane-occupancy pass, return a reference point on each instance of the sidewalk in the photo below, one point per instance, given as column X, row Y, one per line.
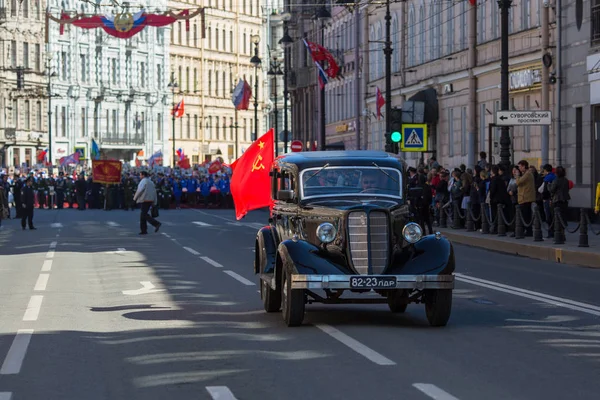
column 567, row 253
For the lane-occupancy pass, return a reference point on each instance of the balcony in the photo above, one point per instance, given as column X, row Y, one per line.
column 596, row 23
column 125, row 140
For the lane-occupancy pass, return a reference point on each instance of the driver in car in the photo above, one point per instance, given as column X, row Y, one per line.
column 370, row 181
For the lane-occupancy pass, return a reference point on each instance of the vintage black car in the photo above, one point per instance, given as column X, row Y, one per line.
column 345, row 221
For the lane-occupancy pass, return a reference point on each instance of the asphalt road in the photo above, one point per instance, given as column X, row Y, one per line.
column 90, row 310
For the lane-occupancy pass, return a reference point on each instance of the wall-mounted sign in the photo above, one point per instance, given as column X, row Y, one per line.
column 341, row 128
column 82, row 152
column 525, row 78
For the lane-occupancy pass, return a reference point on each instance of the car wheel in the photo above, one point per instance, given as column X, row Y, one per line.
column 292, row 302
column 397, row 301
column 438, row 306
column 271, row 298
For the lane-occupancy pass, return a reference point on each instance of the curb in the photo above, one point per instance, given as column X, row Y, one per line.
column 555, row 254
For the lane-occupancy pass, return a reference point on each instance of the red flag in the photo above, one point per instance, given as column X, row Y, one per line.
column 247, row 94
column 178, row 109
column 184, row 163
column 380, row 101
column 250, row 182
column 320, row 53
column 473, row 2
column 214, row 167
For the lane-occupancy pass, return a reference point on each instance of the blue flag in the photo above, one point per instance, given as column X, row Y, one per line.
column 95, row 150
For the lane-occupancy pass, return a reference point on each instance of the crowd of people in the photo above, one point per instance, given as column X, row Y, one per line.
column 466, row 189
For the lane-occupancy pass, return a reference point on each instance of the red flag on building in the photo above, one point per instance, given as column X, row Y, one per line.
column 320, row 53
column 250, row 182
column 380, row 101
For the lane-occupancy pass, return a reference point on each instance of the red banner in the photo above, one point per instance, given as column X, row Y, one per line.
column 106, row 171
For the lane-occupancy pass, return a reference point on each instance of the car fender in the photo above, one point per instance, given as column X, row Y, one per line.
column 301, row 257
column 430, row 255
column 265, row 251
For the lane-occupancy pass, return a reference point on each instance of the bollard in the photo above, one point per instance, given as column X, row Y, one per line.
column 456, row 216
column 443, row 217
column 485, row 223
column 470, row 225
column 501, row 225
column 558, row 228
column 538, row 235
column 519, row 228
column 583, row 230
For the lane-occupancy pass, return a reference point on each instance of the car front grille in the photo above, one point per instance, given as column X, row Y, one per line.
column 364, row 230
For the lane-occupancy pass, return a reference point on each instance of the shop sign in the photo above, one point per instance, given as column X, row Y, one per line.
column 60, row 150
column 341, row 128
column 525, row 78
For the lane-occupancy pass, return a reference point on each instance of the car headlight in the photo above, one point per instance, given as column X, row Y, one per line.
column 412, row 232
column 326, row 232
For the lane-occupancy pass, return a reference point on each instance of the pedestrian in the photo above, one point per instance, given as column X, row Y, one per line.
column 146, row 197
column 4, row 210
column 27, row 204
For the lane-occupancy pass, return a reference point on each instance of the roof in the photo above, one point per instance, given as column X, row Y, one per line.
column 309, row 159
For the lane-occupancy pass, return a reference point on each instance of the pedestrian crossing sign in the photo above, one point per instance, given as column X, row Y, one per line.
column 414, row 137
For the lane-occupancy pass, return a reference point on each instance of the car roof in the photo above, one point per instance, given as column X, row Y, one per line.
column 311, row 159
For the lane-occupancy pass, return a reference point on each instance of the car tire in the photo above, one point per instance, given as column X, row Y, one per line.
column 397, row 301
column 438, row 306
column 292, row 302
column 271, row 298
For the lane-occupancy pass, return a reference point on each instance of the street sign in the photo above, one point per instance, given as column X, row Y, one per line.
column 510, row 118
column 296, row 146
column 414, row 137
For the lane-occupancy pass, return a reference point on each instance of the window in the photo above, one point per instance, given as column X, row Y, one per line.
column 63, row 121
column 83, row 129
column 494, row 22
column 113, row 67
column 422, row 33
column 187, row 79
column 179, row 30
column 225, row 85
column 173, row 35
column 26, row 52
column 450, row 132
column 526, row 14
column 63, row 58
column 411, row 37
column 216, row 84
column 13, row 8
column 114, row 123
column 481, row 8
column 231, row 41
column 97, row 119
column 25, row 6
column 13, row 53
column 37, row 9
column 38, row 57
column 463, row 134
column 209, row 83
column 189, row 128
column 209, row 38
column 38, row 116
column 223, row 37
column 27, row 115
column 245, row 44
column 159, row 127
column 159, row 76
column 216, row 38
column 143, row 123
column 195, row 80
column 450, row 29
column 84, row 73
column 208, row 130
column 218, row 133
column 187, row 37
column 231, row 129
column 195, row 35
column 578, row 145
column 143, row 74
column 196, row 127
column 527, row 128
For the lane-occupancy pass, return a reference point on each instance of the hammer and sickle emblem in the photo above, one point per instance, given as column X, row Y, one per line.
column 257, row 163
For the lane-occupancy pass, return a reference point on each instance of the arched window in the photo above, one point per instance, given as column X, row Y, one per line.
column 450, row 29
column 422, row 36
column 411, row 36
column 217, row 128
column 432, row 31
column 208, row 129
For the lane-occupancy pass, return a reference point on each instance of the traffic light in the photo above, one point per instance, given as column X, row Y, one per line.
column 394, row 136
column 20, row 79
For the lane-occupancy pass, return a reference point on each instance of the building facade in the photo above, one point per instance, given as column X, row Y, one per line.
column 207, row 66
column 107, row 89
column 23, row 118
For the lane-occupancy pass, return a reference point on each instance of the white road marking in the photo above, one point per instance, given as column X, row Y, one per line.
column 33, row 308
column 166, row 234
column 41, row 283
column 200, row 223
column 194, row 252
column 16, row 354
column 148, row 287
column 5, row 395
column 433, row 391
column 112, row 223
column 211, row 262
column 56, row 225
column 355, row 345
column 121, row 249
column 556, row 301
column 53, row 245
column 50, row 254
column 239, row 278
column 220, row 393
column 47, row 266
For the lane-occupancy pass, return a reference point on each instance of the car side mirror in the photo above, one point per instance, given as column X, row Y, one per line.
column 415, row 192
column 285, row 195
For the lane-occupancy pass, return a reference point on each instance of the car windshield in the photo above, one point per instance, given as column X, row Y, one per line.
column 350, row 181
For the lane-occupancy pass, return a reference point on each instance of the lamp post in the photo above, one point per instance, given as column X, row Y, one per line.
column 49, row 90
column 504, row 93
column 255, row 60
column 275, row 71
column 388, row 73
column 173, row 85
column 285, row 42
column 323, row 15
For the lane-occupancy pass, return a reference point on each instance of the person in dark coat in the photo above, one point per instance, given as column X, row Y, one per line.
column 498, row 192
column 27, row 204
column 81, row 189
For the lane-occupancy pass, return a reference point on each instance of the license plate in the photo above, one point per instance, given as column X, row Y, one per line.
column 372, row 282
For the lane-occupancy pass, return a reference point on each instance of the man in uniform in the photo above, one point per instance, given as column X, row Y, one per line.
column 27, row 200
column 70, row 191
column 60, row 188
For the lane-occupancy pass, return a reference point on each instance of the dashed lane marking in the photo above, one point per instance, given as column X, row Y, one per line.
column 166, row 234
column 33, row 308
column 220, row 393
column 56, row 225
column 200, row 223
column 190, row 250
column 211, row 262
column 112, row 223
column 47, row 266
column 41, row 283
column 121, row 249
column 239, row 278
column 355, row 345
column 433, row 391
column 16, row 354
column 53, row 245
column 50, row 254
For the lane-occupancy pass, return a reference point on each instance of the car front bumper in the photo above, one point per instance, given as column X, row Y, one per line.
column 417, row 282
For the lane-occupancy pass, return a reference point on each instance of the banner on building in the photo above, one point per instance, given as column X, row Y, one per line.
column 106, row 171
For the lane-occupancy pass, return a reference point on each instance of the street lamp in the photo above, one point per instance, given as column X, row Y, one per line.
column 275, row 71
column 173, row 85
column 286, row 42
column 49, row 90
column 323, row 15
column 255, row 60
